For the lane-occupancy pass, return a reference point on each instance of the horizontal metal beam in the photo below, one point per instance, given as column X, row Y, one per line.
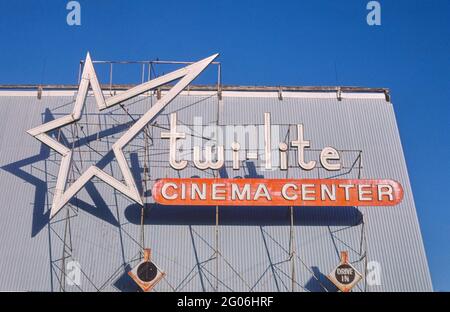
column 203, row 88
column 148, row 62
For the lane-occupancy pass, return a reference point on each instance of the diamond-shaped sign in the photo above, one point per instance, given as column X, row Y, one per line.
column 345, row 276
column 146, row 274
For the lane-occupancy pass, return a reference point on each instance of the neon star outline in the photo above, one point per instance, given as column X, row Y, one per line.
column 89, row 78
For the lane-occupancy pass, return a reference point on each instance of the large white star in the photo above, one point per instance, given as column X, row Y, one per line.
column 62, row 195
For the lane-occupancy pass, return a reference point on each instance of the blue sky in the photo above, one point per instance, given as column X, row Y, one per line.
column 270, row 43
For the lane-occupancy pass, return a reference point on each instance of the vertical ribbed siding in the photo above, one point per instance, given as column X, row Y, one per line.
column 253, row 242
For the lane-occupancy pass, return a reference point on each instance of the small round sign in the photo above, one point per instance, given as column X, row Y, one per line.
column 147, row 271
column 345, row 274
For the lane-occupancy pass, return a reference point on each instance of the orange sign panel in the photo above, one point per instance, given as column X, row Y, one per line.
column 277, row 192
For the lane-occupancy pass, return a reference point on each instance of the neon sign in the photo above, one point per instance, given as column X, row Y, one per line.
column 277, row 192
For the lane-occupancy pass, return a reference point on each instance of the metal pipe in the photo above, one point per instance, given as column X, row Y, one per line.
column 147, row 62
column 205, row 88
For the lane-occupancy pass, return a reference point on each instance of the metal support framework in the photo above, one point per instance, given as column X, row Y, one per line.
column 87, row 77
column 291, row 276
column 150, row 66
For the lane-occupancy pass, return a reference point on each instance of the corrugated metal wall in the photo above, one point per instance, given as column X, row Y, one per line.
column 253, row 249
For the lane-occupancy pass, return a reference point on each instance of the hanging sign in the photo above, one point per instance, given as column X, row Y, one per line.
column 225, row 145
column 146, row 274
column 277, row 192
column 345, row 276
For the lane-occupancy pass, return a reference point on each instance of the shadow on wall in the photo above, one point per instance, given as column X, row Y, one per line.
column 244, row 215
column 320, row 282
column 125, row 283
column 23, row 169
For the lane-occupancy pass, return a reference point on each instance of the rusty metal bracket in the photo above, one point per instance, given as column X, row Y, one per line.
column 280, row 94
column 39, row 92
